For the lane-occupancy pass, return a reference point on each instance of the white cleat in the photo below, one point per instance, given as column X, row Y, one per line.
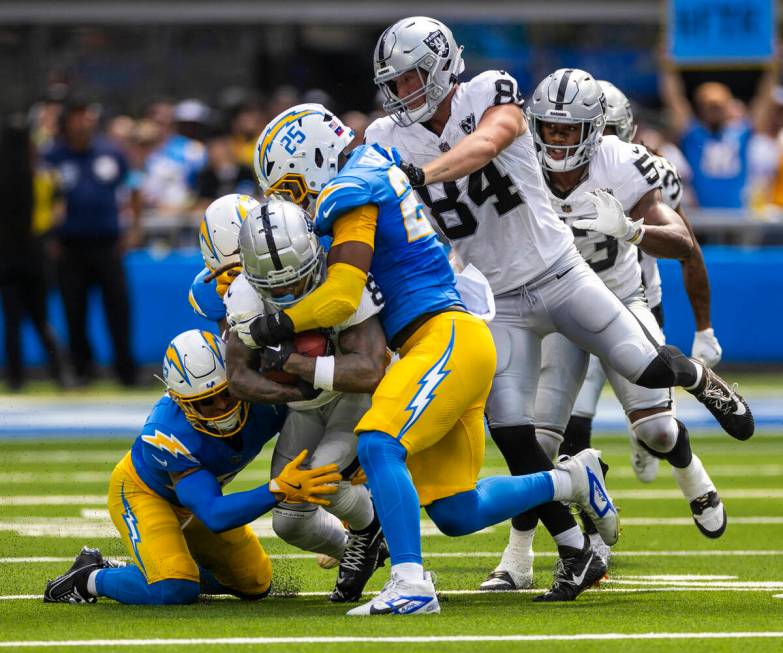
column 589, row 492
column 602, row 550
column 708, row 511
column 514, row 572
column 644, row 464
column 400, row 596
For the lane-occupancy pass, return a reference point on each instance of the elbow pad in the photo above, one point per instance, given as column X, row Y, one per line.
column 333, row 302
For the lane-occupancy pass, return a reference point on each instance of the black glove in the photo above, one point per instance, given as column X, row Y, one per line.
column 275, row 356
column 414, row 173
column 272, row 329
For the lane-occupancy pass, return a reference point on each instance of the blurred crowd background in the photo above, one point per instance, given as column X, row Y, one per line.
column 119, row 129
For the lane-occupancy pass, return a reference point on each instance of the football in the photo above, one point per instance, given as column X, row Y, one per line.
column 308, row 343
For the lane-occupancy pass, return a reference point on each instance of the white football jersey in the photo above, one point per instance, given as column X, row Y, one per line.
column 498, row 218
column 241, row 297
column 627, row 171
column 671, row 189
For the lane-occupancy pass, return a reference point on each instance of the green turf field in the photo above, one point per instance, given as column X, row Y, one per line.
column 665, row 577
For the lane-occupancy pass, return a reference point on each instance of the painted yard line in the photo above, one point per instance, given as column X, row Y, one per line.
column 773, row 585
column 688, row 521
column 739, row 493
column 729, row 471
column 54, row 500
column 479, row 554
column 602, row 590
column 423, row 639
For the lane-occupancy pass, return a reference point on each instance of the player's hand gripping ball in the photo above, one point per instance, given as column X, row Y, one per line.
column 307, row 343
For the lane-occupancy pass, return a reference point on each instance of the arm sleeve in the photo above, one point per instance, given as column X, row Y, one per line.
column 200, row 492
column 338, row 298
column 204, row 299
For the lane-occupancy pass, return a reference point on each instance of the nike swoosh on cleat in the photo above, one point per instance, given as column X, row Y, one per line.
column 578, row 580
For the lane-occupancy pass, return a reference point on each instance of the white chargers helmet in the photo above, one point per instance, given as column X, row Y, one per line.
column 568, row 95
column 423, row 44
column 298, row 152
column 281, row 256
column 194, row 371
column 618, row 111
column 219, row 229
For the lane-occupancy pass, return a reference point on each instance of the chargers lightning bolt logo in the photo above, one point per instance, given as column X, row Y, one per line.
column 168, row 443
column 133, row 531
column 427, row 386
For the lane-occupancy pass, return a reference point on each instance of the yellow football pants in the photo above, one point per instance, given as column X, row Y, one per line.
column 432, row 400
column 167, row 541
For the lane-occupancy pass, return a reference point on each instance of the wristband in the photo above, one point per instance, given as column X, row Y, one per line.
column 323, row 377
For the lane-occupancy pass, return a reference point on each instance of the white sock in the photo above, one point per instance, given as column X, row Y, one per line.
column 91, row 586
column 521, row 540
column 572, row 537
column 563, row 486
column 409, row 571
column 699, row 374
column 693, row 479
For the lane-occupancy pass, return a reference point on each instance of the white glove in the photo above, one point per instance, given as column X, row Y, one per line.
column 611, row 219
column 239, row 323
column 706, row 348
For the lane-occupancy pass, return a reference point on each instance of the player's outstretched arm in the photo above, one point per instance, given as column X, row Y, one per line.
column 665, row 233
column 245, row 382
column 359, row 367
column 498, row 128
column 200, row 492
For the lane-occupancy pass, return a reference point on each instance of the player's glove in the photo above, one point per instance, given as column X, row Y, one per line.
column 305, row 485
column 414, row 173
column 274, row 357
column 611, row 219
column 225, row 279
column 240, row 323
column 706, row 349
column 271, row 329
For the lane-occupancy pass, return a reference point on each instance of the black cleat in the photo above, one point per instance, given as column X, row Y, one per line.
column 575, row 571
column 361, row 558
column 709, row 514
column 71, row 587
column 726, row 405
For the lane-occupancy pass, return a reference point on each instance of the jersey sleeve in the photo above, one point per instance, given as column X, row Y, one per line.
column 204, row 299
column 371, row 304
column 164, row 451
column 380, row 132
column 637, row 172
column 671, row 182
column 492, row 88
column 338, row 197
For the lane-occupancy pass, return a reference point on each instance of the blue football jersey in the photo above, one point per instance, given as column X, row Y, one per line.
column 168, row 443
column 204, row 299
column 410, row 264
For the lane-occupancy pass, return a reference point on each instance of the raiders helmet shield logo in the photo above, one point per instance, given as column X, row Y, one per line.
column 468, row 124
column 444, row 146
column 436, row 41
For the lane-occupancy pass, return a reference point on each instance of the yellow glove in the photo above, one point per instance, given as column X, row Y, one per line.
column 225, row 279
column 359, row 478
column 302, row 485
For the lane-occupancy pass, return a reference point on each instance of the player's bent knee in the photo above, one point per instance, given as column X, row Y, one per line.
column 174, row 591
column 453, row 515
column 292, row 526
column 668, row 369
column 658, row 432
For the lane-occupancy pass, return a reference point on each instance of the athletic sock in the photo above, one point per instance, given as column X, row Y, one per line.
column 563, row 488
column 396, row 501
column 573, row 537
column 408, row 571
column 91, row 580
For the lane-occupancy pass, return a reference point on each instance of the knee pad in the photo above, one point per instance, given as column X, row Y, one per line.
column 310, row 530
column 352, row 503
column 658, row 433
column 174, row 591
column 550, row 442
column 577, row 435
column 670, row 368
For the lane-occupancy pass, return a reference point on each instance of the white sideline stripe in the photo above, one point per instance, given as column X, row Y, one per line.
column 688, row 521
column 422, row 639
column 482, row 554
column 654, row 495
column 54, row 500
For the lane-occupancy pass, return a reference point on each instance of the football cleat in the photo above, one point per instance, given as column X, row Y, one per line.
column 644, row 464
column 601, row 548
column 709, row 514
column 726, row 405
column 589, row 491
column 514, row 572
column 575, row 571
column 71, row 587
column 400, row 596
column 358, row 563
